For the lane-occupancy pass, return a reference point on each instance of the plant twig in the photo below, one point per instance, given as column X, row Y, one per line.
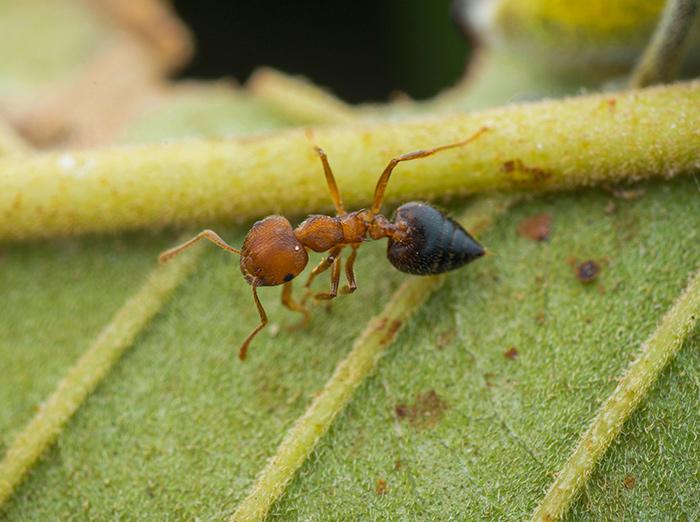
column 10, row 142
column 547, row 145
column 349, row 374
column 90, row 369
column 664, row 55
column 657, row 351
column 299, row 99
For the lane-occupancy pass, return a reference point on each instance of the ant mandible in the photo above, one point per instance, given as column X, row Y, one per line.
column 422, row 241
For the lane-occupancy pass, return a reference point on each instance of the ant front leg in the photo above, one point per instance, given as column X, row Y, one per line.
column 289, row 302
column 349, row 273
column 263, row 321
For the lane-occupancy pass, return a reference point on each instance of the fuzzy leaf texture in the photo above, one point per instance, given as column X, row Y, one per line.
column 485, row 383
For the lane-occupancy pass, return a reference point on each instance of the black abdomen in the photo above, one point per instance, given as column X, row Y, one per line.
column 435, row 243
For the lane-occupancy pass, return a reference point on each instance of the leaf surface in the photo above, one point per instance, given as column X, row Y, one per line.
column 180, row 428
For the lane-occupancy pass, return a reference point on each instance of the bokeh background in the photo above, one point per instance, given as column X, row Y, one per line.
column 363, row 50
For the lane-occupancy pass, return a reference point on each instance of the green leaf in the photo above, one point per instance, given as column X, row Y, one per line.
column 180, row 428
column 471, row 414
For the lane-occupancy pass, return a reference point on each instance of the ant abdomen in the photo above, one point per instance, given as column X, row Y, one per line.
column 434, row 242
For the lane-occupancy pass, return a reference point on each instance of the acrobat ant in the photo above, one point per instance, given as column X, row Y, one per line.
column 422, row 241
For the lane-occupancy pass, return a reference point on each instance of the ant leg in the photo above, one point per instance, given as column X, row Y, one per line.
column 384, row 178
column 335, row 281
column 263, row 321
column 206, row 234
column 350, row 274
column 319, row 269
column 289, row 302
column 330, row 179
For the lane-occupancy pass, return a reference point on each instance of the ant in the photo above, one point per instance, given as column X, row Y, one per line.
column 422, row 241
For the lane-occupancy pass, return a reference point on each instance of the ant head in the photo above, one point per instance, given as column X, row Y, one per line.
column 271, row 254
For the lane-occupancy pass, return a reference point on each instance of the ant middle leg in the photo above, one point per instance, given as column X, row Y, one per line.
column 263, row 321
column 204, row 234
column 350, row 273
column 289, row 302
column 324, row 265
column 335, row 281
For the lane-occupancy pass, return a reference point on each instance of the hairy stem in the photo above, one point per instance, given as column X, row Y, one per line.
column 547, row 145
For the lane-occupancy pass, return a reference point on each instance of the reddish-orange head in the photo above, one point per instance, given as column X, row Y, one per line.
column 271, row 254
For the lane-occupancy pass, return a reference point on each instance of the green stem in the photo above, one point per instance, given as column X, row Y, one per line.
column 678, row 323
column 299, row 99
column 10, row 142
column 664, row 55
column 554, row 144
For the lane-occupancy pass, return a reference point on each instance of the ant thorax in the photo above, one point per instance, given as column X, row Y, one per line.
column 321, row 233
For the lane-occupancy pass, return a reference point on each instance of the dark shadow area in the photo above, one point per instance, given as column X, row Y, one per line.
column 362, row 51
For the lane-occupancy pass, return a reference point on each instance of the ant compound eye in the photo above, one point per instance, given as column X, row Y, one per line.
column 434, row 243
column 271, row 254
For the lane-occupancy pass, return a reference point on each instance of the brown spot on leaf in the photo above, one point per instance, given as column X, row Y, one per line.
column 536, row 227
column 390, row 332
column 381, row 487
column 520, row 173
column 445, row 338
column 511, row 353
column 630, row 481
column 588, row 271
column 425, row 412
column 628, row 194
column 610, row 208
column 397, row 464
column 401, row 410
